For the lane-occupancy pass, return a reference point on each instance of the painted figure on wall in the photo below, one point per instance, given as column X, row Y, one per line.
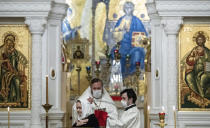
column 13, row 81
column 123, row 32
column 78, row 54
column 67, row 30
column 197, row 75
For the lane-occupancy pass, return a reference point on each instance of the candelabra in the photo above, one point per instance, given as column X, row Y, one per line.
column 8, row 117
column 89, row 77
column 127, row 60
column 47, row 107
column 108, row 56
column 108, row 61
column 117, row 55
column 97, row 71
column 118, row 45
column 174, row 109
column 78, row 69
column 138, row 71
column 127, row 64
column 162, row 123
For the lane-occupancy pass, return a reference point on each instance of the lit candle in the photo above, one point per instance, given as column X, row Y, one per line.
column 88, row 68
column 97, row 62
column 116, row 51
column 148, row 108
column 8, row 117
column 163, row 109
column 162, row 113
column 46, row 89
column 137, row 63
column 148, row 111
column 174, row 109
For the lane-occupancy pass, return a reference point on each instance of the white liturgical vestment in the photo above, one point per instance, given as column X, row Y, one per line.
column 104, row 102
column 130, row 118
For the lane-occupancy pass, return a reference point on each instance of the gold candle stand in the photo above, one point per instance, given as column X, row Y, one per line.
column 97, row 71
column 78, row 69
column 174, row 109
column 47, row 107
column 89, row 76
column 138, row 71
column 8, row 117
column 162, row 123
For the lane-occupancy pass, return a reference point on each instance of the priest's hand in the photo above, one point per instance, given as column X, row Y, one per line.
column 81, row 122
column 90, row 100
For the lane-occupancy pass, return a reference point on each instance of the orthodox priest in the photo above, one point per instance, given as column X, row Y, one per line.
column 97, row 98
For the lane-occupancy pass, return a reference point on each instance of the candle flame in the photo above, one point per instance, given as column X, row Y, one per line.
column 148, row 107
column 8, row 109
column 163, row 109
column 174, row 108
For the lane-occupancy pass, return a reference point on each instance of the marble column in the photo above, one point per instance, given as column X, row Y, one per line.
column 171, row 27
column 36, row 27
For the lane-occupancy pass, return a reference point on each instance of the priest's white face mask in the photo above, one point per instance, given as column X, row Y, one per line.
column 97, row 94
column 97, row 90
column 124, row 100
column 124, row 103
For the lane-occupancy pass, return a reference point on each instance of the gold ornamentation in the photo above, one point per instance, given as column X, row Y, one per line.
column 187, row 42
column 15, row 47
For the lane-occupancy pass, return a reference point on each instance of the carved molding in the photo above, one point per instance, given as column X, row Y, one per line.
column 58, row 11
column 55, row 119
column 183, row 8
column 58, row 115
column 151, row 8
column 171, row 24
column 36, row 24
column 18, row 119
column 12, row 8
column 192, row 119
column 189, row 116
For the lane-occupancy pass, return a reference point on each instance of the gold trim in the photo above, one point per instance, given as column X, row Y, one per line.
column 186, row 34
column 22, row 33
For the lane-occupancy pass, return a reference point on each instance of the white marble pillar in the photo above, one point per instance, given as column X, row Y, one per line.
column 36, row 27
column 171, row 27
column 53, row 52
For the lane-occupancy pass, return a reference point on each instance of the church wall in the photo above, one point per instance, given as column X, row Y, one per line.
column 43, row 19
column 19, row 119
column 197, row 118
column 164, row 91
column 166, row 18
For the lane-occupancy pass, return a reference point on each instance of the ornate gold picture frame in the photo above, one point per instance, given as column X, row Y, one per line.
column 79, row 49
column 194, row 67
column 15, row 67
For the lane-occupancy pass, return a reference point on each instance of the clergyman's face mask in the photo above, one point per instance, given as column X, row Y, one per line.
column 97, row 94
column 124, row 103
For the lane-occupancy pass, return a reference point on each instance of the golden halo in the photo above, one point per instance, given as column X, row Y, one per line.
column 11, row 35
column 200, row 33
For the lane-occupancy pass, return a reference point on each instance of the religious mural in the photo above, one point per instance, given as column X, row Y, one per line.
column 194, row 67
column 110, row 40
column 105, row 23
column 15, row 66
